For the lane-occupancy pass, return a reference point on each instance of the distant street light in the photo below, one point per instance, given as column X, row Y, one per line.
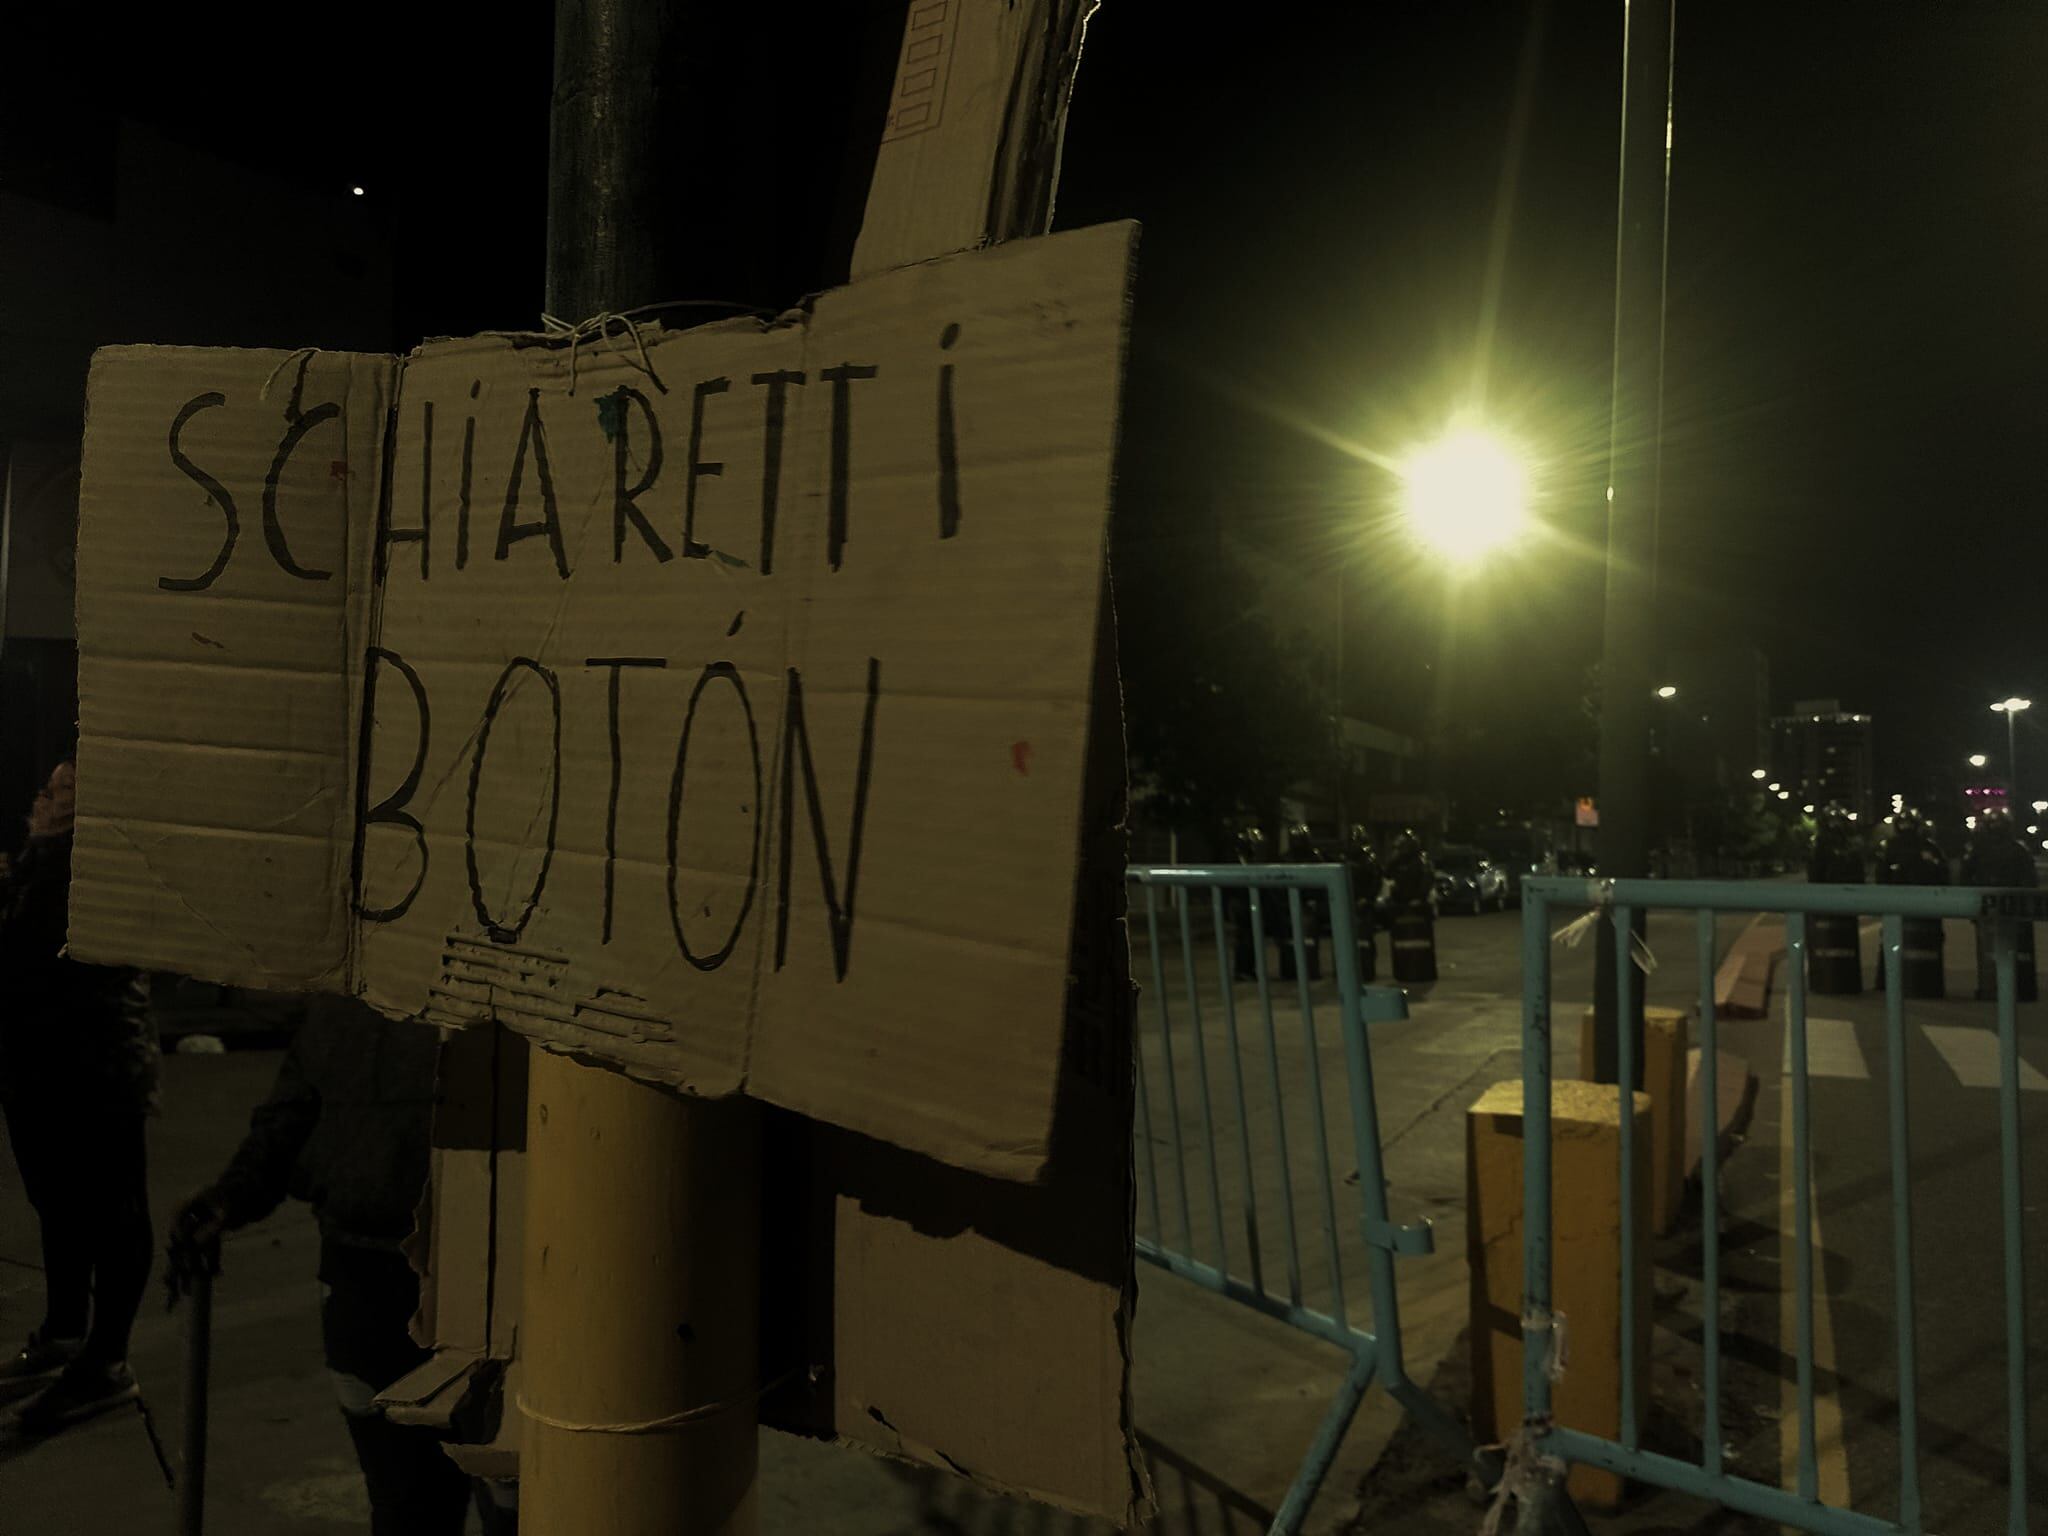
column 1784, row 794
column 357, row 191
column 1774, row 786
column 1467, row 495
column 2040, row 806
column 1978, row 759
column 2010, row 708
column 1759, row 773
column 1668, row 691
column 1808, row 808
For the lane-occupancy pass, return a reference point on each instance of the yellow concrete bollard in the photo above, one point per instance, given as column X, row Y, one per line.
column 1666, row 1038
column 1585, row 1120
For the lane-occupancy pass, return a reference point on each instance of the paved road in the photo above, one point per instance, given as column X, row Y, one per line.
column 1951, row 1077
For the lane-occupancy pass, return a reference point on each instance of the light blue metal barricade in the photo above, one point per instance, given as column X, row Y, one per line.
column 1186, row 920
column 1620, row 902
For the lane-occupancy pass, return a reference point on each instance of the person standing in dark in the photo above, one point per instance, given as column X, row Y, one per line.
column 1911, row 857
column 1997, row 857
column 1251, row 849
column 1366, row 880
column 348, row 1128
column 79, row 1070
column 1834, row 957
column 1414, row 894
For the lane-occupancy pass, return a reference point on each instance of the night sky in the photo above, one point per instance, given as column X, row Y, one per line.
column 1853, row 478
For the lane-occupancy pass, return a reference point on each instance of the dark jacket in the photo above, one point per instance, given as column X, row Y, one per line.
column 81, row 1033
column 1999, row 861
column 346, row 1127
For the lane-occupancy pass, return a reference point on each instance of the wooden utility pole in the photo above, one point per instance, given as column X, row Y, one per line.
column 1634, row 438
column 638, row 1351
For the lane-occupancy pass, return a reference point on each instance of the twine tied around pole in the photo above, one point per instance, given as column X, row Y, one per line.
column 667, row 1421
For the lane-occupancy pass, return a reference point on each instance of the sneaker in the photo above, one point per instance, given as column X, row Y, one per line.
column 36, row 1363
column 82, row 1391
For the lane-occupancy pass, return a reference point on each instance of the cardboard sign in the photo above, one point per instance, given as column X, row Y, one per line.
column 713, row 703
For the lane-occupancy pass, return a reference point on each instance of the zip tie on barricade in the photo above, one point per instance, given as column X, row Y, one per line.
column 1573, row 933
column 1525, row 1474
column 1552, row 1326
column 687, row 1416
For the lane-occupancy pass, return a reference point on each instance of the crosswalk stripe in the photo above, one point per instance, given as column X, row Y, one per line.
column 1831, row 1050
column 1972, row 1054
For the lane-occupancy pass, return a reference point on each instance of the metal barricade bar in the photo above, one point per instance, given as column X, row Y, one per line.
column 1619, row 902
column 1375, row 1353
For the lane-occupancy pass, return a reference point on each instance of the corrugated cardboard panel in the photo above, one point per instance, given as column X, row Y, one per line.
column 727, row 690
column 225, row 513
column 728, row 645
column 971, row 146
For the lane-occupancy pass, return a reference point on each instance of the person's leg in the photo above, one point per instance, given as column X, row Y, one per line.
column 122, row 1242
column 368, row 1297
column 415, row 1490
column 36, row 1131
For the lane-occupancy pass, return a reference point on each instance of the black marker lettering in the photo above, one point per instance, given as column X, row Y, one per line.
column 297, row 424
column 503, row 933
column 462, row 495
column 611, row 805
column 841, row 380
column 698, row 466
column 625, row 500
column 777, row 407
column 711, row 962
column 216, row 495
column 532, row 434
column 949, row 445
column 796, row 739
column 391, row 809
column 386, row 534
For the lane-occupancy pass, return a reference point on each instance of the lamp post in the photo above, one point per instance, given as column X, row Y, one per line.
column 2010, row 708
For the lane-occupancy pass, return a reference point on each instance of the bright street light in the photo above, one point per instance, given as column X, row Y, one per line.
column 1978, row 759
column 1774, row 786
column 1667, row 692
column 2010, row 708
column 1807, row 808
column 1467, row 495
column 1759, row 773
column 1784, row 794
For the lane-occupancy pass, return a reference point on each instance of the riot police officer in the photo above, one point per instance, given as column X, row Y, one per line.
column 1911, row 857
column 1414, row 893
column 1997, row 857
column 1366, row 880
column 1251, row 849
column 1834, row 960
column 1301, row 849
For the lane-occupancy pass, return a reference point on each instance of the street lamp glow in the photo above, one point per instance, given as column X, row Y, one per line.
column 1667, row 692
column 2011, row 706
column 1784, row 794
column 1467, row 495
column 1978, row 759
column 1774, row 787
column 1759, row 773
column 356, row 191
column 1807, row 808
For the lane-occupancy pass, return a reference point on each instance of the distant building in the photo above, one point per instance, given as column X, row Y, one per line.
column 1822, row 753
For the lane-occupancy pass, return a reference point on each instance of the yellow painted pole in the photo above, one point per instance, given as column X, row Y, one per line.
column 637, row 1338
